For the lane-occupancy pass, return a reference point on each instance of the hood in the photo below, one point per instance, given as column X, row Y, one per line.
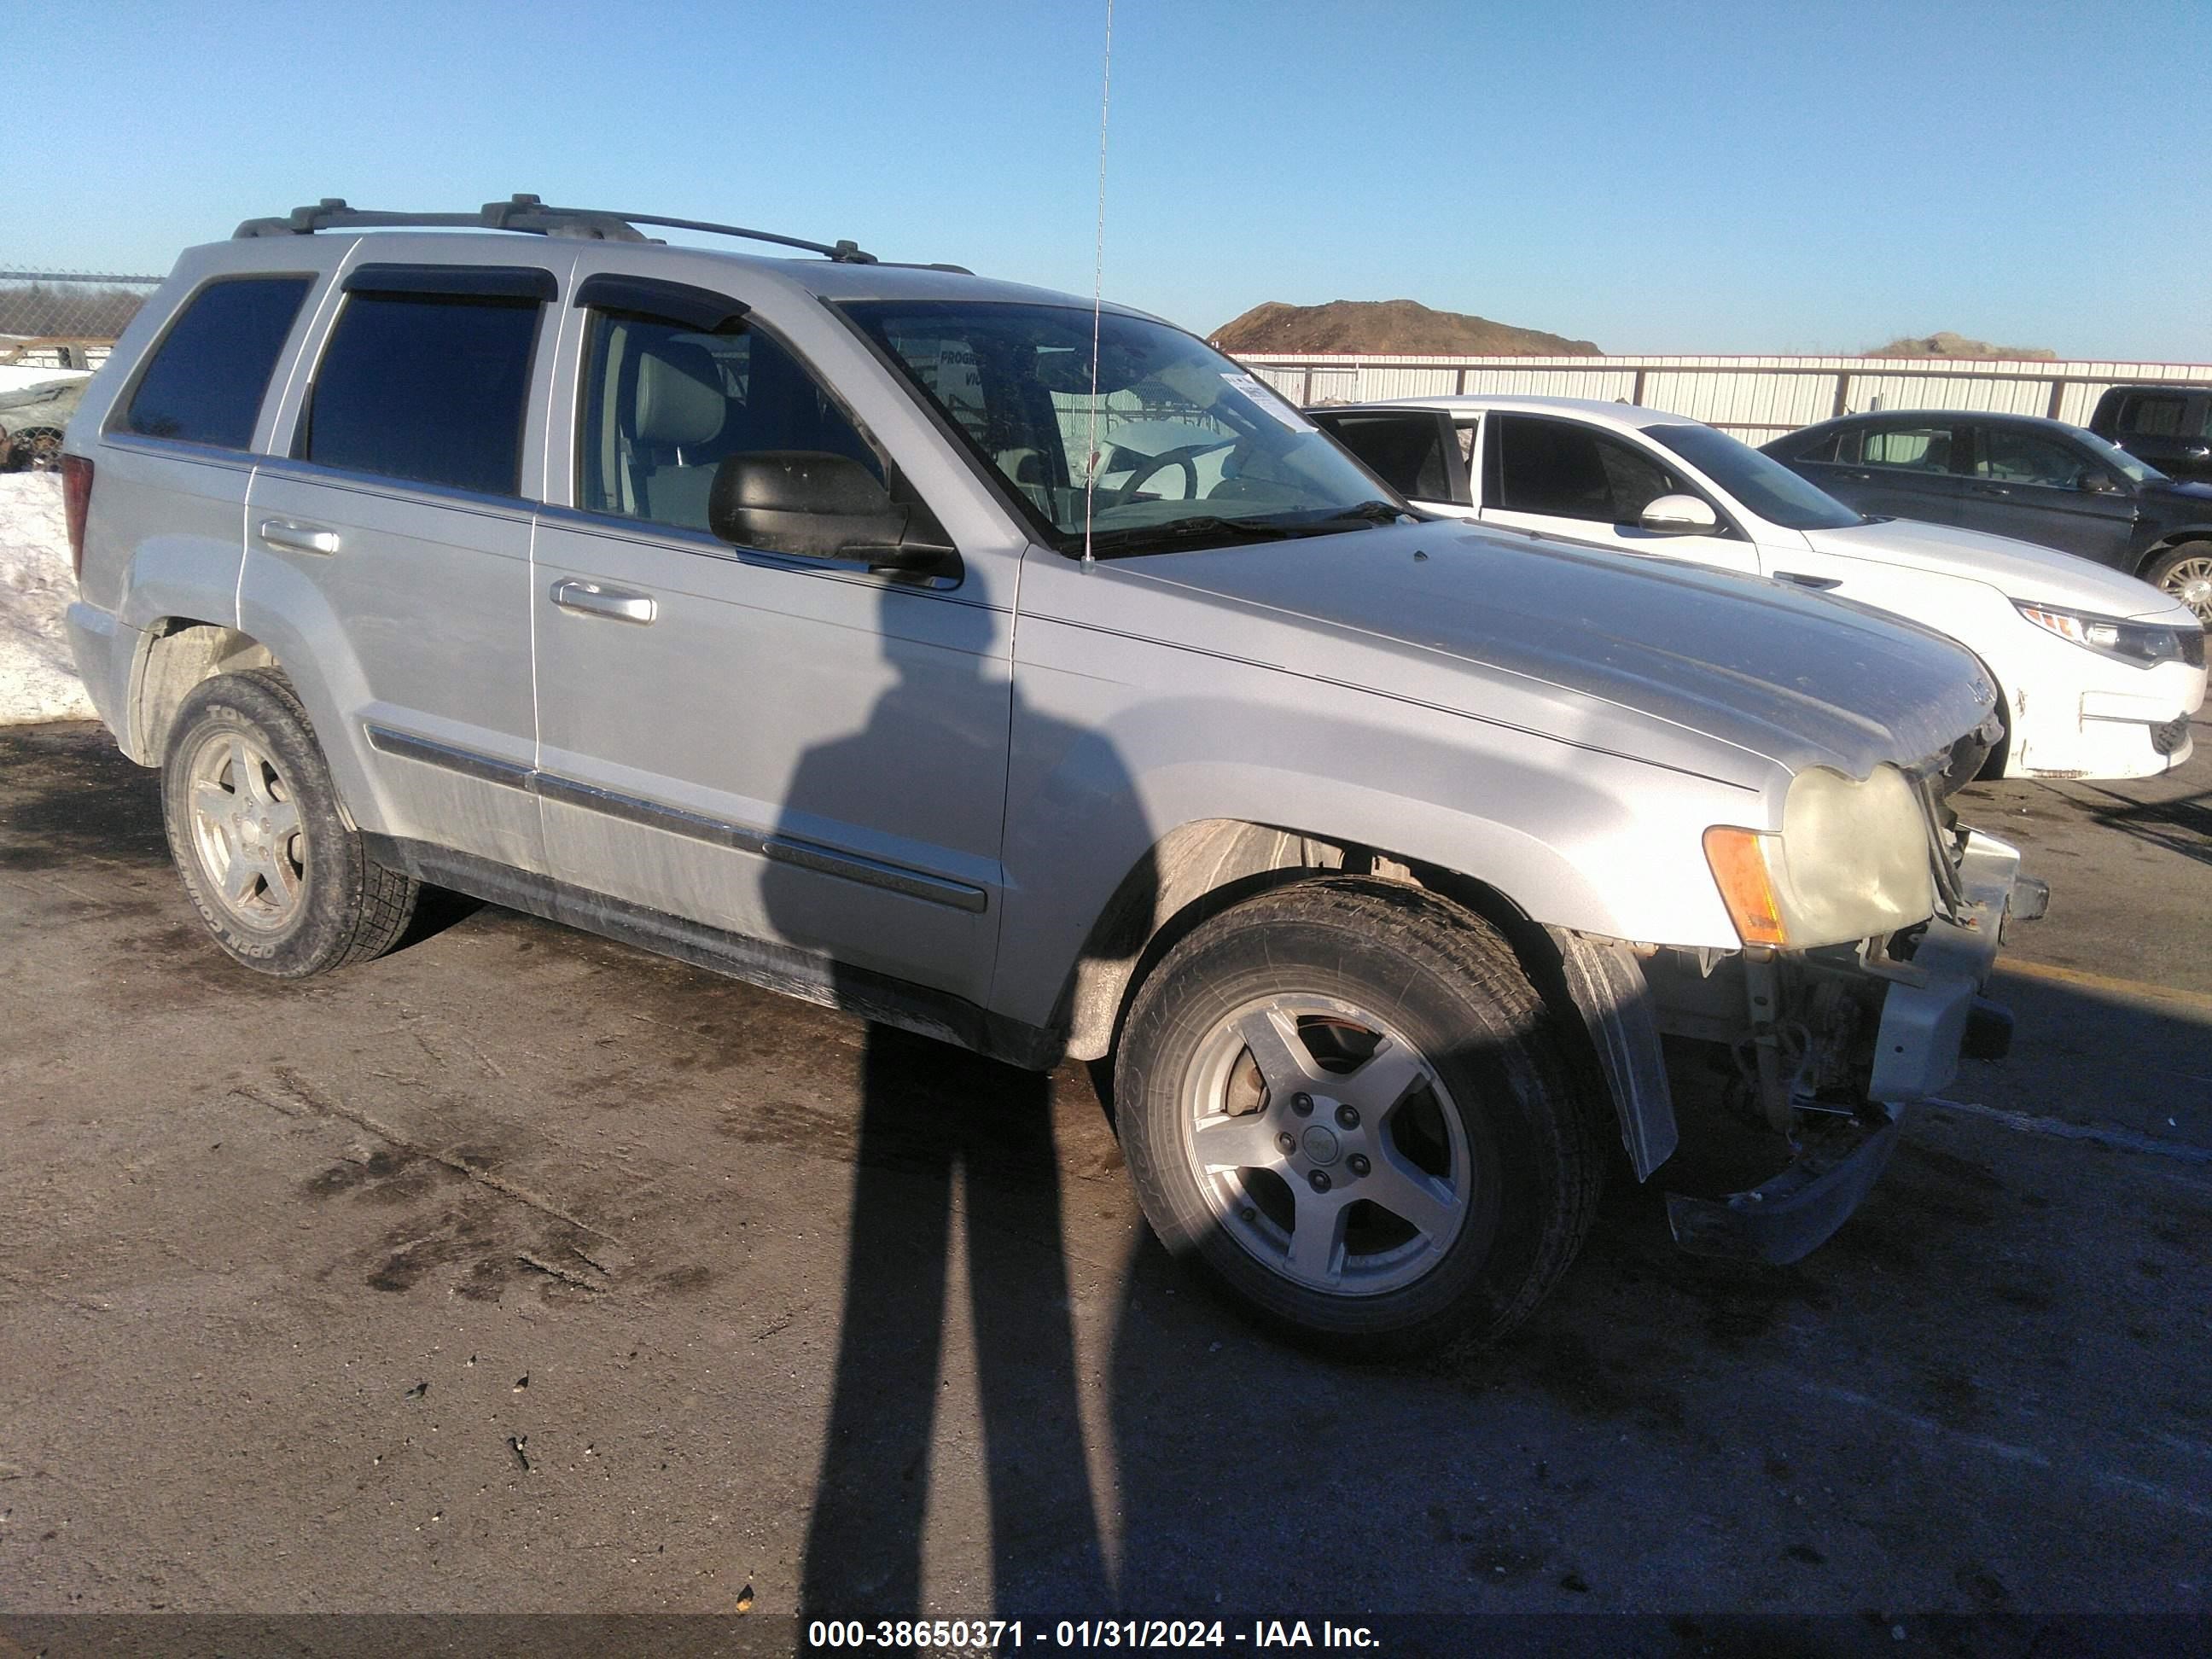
column 2019, row 570
column 1693, row 660
column 2189, row 495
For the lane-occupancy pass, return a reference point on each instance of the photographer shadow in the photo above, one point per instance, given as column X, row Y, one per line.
column 951, row 1146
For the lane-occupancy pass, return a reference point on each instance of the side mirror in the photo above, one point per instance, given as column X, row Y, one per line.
column 2096, row 481
column 819, row 506
column 1679, row 515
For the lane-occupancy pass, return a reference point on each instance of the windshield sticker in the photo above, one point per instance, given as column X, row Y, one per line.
column 1270, row 402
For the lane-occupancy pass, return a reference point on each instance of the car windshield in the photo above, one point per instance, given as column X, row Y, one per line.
column 1757, row 481
column 1192, row 450
column 2118, row 460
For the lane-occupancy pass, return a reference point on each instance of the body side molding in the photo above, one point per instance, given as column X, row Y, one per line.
column 744, row 838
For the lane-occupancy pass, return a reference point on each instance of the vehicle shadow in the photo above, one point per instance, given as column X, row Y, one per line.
column 2181, row 826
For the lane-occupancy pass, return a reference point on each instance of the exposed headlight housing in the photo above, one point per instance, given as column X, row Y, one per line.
column 1852, row 862
column 2142, row 644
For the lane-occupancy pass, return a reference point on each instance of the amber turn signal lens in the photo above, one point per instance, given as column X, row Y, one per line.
column 1739, row 866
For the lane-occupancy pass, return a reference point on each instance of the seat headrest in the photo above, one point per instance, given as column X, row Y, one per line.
column 679, row 394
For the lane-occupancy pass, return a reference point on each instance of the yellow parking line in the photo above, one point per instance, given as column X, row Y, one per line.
column 2088, row 981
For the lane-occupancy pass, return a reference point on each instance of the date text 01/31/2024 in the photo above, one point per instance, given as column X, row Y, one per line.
column 995, row 1633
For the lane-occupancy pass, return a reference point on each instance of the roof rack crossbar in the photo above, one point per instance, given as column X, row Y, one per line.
column 528, row 214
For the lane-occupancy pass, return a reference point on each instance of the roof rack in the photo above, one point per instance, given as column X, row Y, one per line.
column 527, row 213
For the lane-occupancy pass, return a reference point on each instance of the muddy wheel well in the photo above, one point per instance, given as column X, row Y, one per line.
column 180, row 654
column 1200, row 869
column 2179, row 538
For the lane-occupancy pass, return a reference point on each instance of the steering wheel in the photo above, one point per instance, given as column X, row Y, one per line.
column 1185, row 457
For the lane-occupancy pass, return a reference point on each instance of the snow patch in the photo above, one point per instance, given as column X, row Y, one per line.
column 37, row 677
column 14, row 377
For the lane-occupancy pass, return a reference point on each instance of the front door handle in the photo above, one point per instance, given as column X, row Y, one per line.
column 299, row 537
column 2197, row 452
column 1818, row 584
column 590, row 599
column 1860, row 477
column 1991, row 490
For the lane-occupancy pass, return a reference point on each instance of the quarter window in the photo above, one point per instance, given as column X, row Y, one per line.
column 1568, row 472
column 428, row 387
column 665, row 403
column 205, row 381
column 1907, row 448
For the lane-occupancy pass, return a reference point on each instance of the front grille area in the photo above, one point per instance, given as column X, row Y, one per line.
column 1945, row 851
column 2167, row 739
column 1963, row 765
column 2192, row 646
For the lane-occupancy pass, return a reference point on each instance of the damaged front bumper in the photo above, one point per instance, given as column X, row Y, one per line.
column 1931, row 1010
column 1788, row 1218
column 1933, row 997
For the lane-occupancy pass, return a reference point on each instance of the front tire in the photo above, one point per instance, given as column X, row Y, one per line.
column 2186, row 572
column 277, row 874
column 1345, row 1098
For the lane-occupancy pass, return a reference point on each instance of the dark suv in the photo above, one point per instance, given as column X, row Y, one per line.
column 2016, row 475
column 2168, row 426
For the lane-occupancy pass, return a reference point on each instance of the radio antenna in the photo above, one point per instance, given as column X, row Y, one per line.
column 1097, row 284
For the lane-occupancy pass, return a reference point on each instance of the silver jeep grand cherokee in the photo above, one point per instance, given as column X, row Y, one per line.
column 860, row 630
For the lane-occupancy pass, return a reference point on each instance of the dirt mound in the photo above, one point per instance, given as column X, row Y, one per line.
column 1948, row 345
column 1387, row 327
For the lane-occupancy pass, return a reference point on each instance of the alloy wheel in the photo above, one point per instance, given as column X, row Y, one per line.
column 1325, row 1145
column 246, row 831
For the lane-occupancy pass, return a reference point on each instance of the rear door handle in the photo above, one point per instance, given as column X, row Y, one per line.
column 1818, row 584
column 2197, row 452
column 590, row 599
column 299, row 537
column 1860, row 477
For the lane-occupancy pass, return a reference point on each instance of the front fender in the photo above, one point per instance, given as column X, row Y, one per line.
column 1116, row 743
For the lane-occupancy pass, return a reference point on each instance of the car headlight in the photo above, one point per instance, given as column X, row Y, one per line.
column 2140, row 643
column 1851, row 863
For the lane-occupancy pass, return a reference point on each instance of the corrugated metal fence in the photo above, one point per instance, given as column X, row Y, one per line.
column 1755, row 398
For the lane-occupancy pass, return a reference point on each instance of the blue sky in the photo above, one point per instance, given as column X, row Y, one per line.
column 1654, row 177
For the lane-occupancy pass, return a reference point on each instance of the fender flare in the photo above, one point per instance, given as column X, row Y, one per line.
column 1603, row 979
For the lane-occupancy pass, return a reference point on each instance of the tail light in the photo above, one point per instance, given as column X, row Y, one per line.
column 76, row 502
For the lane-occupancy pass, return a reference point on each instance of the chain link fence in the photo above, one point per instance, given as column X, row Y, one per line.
column 65, row 319
column 54, row 326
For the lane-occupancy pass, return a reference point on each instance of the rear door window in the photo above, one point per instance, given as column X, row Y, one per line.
column 432, row 388
column 1907, row 448
column 1568, row 471
column 1412, row 451
column 2155, row 416
column 204, row 382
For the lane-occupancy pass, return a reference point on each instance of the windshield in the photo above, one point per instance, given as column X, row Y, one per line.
column 1191, row 449
column 1758, row 482
column 2118, row 460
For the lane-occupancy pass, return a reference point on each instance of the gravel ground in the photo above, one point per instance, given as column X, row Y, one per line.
column 519, row 1271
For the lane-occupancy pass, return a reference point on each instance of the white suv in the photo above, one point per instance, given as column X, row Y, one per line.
column 2100, row 673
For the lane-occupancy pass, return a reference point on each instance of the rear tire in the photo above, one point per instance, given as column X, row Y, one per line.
column 280, row 877
column 1346, row 1099
column 2186, row 573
